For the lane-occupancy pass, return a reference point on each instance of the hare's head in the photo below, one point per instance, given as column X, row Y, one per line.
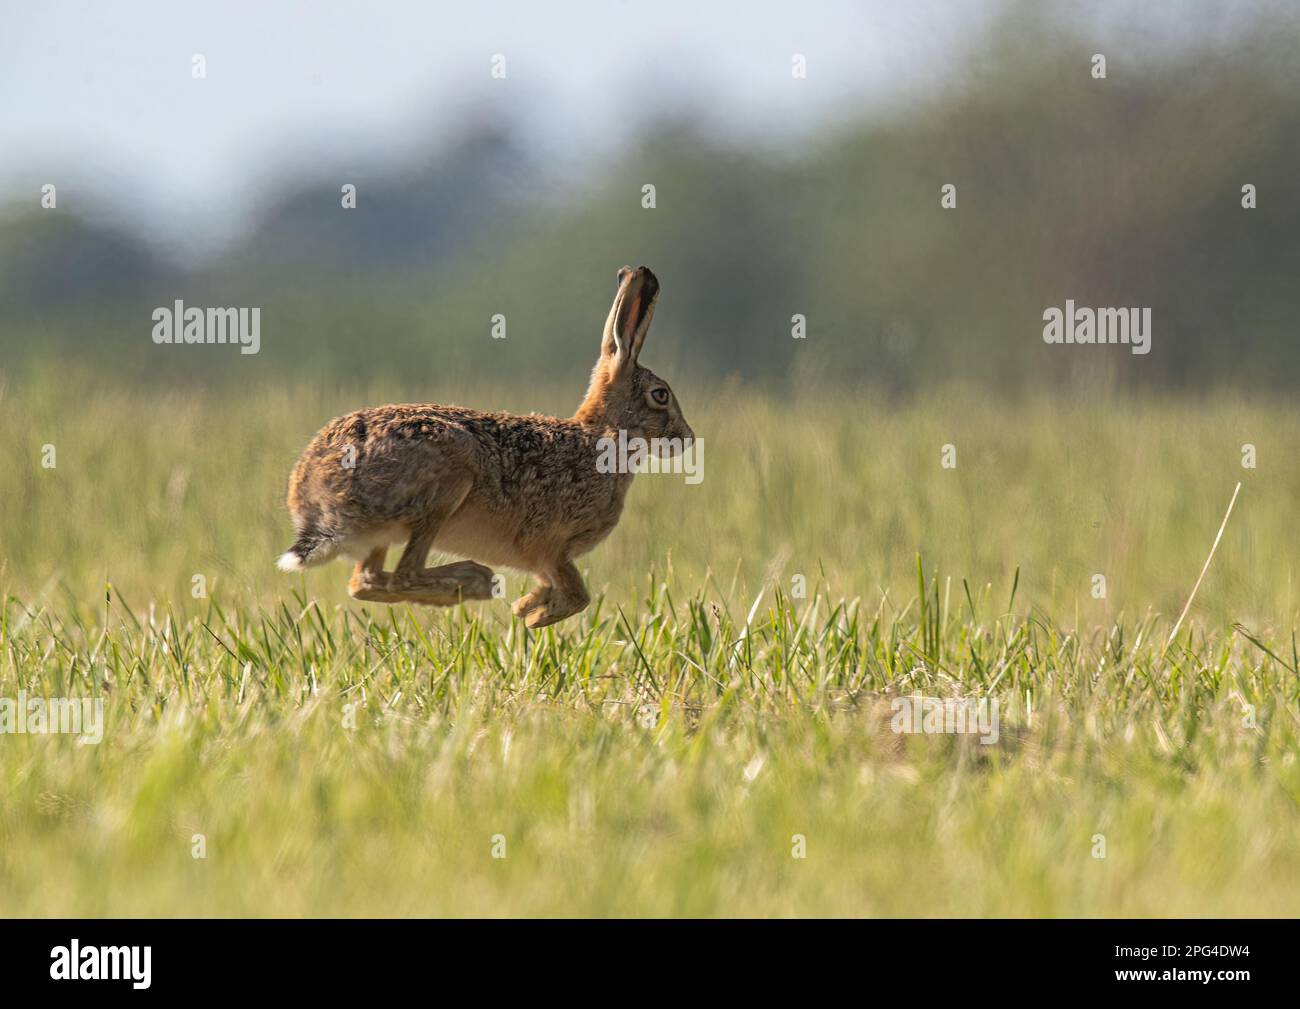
column 623, row 394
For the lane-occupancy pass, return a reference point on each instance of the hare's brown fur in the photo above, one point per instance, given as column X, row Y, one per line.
column 518, row 491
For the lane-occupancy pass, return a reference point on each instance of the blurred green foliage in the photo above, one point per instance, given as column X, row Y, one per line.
column 1124, row 191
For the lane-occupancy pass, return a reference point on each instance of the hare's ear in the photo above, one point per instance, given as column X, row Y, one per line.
column 629, row 318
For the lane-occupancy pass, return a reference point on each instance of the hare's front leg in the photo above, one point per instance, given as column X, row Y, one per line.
column 560, row 593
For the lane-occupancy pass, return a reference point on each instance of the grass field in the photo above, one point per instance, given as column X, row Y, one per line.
column 723, row 706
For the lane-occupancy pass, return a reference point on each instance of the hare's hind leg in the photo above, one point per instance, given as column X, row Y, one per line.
column 560, row 593
column 445, row 585
column 411, row 581
column 369, row 582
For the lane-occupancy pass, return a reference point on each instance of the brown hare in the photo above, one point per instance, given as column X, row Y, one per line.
column 524, row 492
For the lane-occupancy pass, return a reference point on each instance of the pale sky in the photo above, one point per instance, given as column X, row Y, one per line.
column 98, row 97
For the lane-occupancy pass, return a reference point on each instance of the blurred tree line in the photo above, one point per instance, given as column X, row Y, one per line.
column 1125, row 191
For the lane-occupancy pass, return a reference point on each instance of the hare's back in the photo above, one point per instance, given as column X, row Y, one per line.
column 369, row 461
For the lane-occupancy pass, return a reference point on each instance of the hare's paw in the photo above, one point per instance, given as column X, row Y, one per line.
column 534, row 600
column 475, row 579
column 372, row 587
column 544, row 616
column 448, row 585
column 555, row 608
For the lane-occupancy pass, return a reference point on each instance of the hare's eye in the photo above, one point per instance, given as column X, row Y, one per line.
column 660, row 396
